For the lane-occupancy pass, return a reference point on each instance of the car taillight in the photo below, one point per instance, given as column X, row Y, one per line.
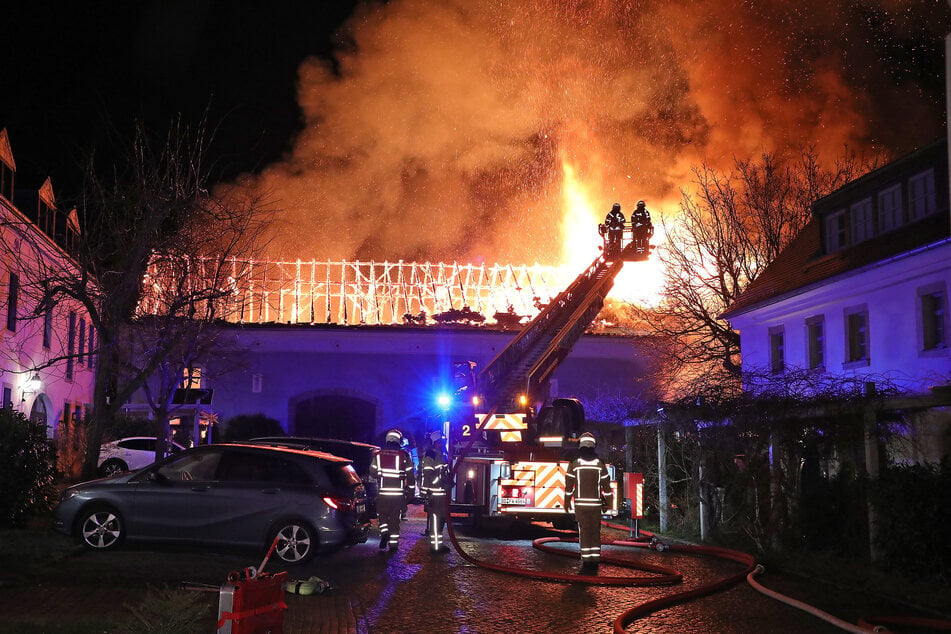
column 336, row 503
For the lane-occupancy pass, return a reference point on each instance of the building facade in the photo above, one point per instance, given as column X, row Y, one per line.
column 356, row 382
column 861, row 295
column 46, row 352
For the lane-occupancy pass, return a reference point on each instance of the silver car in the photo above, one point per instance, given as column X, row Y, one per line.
column 230, row 495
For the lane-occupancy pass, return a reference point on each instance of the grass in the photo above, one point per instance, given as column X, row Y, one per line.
column 50, row 584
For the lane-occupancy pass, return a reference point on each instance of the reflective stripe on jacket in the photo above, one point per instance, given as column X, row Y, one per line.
column 587, row 481
column 393, row 470
column 433, row 476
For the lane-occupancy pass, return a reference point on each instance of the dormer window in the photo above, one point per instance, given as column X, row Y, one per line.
column 6, row 181
column 836, row 234
column 861, row 220
column 921, row 195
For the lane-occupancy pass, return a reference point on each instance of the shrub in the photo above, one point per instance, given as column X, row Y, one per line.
column 126, row 425
column 250, row 426
column 913, row 517
column 27, row 469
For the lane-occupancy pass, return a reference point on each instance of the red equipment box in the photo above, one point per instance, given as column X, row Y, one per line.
column 252, row 606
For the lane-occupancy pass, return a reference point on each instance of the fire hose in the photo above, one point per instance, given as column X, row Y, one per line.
column 665, row 576
column 752, row 571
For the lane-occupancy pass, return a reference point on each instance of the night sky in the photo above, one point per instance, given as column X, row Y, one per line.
column 71, row 67
column 451, row 129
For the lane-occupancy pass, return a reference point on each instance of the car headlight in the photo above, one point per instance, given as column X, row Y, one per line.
column 69, row 494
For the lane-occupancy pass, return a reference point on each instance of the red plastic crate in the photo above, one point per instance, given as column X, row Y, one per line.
column 252, row 606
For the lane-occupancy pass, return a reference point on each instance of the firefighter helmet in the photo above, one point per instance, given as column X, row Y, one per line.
column 587, row 439
column 641, row 204
column 616, row 207
column 435, row 436
column 394, row 435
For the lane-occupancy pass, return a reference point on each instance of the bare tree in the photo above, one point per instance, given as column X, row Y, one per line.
column 154, row 241
column 729, row 228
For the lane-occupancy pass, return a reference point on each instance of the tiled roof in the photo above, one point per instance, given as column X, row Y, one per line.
column 801, row 264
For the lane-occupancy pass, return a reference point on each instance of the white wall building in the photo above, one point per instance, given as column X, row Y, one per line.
column 54, row 345
column 862, row 293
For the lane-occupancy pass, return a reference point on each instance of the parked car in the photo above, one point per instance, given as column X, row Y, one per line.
column 233, row 495
column 360, row 453
column 130, row 454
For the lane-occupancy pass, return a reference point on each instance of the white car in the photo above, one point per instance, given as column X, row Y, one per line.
column 129, row 454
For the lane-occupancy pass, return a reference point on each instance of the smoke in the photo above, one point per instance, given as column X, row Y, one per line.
column 440, row 130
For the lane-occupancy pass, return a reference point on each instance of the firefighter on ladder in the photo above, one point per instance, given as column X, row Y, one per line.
column 392, row 467
column 614, row 226
column 433, row 486
column 587, row 493
column 641, row 227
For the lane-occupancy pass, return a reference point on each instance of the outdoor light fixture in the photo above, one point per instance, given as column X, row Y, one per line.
column 32, row 385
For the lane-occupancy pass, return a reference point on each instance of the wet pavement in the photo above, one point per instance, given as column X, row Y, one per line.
column 413, row 591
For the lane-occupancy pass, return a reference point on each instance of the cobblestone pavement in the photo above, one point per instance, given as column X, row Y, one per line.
column 413, row 591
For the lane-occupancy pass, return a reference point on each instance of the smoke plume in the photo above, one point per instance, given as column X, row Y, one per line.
column 442, row 128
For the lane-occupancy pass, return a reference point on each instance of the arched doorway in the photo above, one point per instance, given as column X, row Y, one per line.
column 38, row 413
column 335, row 416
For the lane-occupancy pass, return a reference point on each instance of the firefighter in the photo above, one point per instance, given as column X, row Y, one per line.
column 393, row 469
column 641, row 227
column 614, row 224
column 587, row 494
column 433, row 488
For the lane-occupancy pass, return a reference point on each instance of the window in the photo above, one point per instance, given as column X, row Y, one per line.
column 48, row 328
column 257, row 382
column 91, row 350
column 12, row 302
column 71, row 345
column 861, row 220
column 835, row 231
column 856, row 336
column 777, row 361
column 889, row 209
column 195, row 466
column 191, row 378
column 816, row 342
column 82, row 342
column 46, row 218
column 921, row 195
column 7, row 397
column 933, row 307
column 6, row 181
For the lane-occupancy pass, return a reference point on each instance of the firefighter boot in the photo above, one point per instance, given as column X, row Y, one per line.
column 384, row 540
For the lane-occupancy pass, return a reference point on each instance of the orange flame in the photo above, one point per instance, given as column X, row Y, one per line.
column 638, row 282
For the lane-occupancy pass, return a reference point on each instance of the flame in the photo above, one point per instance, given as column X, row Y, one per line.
column 638, row 282
column 580, row 241
column 452, row 130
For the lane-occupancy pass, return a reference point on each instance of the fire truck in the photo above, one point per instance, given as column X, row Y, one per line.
column 510, row 447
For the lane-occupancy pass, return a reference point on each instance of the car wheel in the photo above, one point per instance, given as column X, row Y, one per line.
column 296, row 542
column 112, row 467
column 101, row 528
